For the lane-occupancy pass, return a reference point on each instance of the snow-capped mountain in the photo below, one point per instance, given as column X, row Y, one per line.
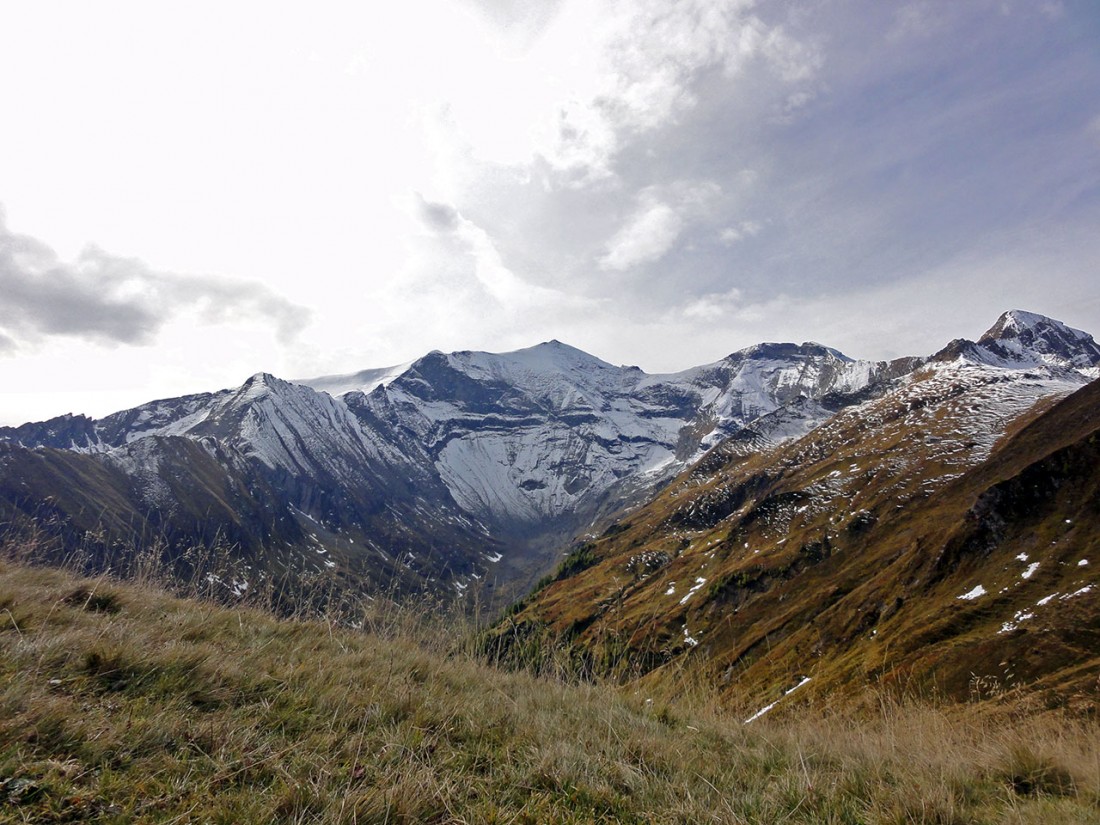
column 543, row 433
column 915, row 537
column 1020, row 339
column 449, row 464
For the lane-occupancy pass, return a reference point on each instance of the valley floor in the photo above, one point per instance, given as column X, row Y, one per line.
column 120, row 703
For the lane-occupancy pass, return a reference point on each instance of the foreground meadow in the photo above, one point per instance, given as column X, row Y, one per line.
column 121, row 703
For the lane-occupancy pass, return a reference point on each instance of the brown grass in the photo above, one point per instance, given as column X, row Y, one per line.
column 120, row 703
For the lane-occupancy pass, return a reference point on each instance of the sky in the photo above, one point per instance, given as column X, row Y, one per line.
column 191, row 193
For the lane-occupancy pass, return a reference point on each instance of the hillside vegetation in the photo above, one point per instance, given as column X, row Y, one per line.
column 876, row 550
column 121, row 703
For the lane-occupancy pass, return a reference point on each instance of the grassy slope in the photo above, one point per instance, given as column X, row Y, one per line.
column 830, row 558
column 119, row 703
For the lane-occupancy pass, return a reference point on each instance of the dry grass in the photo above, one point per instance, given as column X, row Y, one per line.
column 120, row 703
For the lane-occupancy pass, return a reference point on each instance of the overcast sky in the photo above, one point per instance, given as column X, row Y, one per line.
column 195, row 192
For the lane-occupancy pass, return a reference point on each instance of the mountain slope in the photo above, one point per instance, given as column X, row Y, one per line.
column 854, row 554
column 534, row 435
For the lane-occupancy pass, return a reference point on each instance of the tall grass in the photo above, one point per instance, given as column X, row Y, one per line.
column 120, row 702
column 283, row 584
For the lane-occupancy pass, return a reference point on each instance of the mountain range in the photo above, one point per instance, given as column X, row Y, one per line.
column 470, row 472
column 938, row 538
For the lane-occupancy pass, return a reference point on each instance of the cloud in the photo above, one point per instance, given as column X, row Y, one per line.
column 652, row 56
column 480, row 272
column 439, row 217
column 1054, row 9
column 111, row 300
column 1093, row 128
column 661, row 215
column 919, row 20
column 873, row 160
column 714, row 307
column 454, row 291
column 745, row 229
column 522, row 20
column 650, row 233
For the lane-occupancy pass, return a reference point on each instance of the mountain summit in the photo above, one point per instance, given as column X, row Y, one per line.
column 1022, row 335
column 1020, row 339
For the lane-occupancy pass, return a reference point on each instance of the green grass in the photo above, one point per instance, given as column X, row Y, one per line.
column 120, row 703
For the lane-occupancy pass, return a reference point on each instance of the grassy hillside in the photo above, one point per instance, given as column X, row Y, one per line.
column 119, row 703
column 872, row 552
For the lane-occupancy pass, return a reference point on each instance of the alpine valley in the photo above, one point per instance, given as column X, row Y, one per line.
column 768, row 519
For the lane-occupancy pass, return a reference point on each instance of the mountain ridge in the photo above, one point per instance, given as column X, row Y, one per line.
column 507, row 455
column 916, row 539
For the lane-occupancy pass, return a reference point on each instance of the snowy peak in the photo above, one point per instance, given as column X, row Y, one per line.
column 767, row 376
column 549, row 376
column 1042, row 334
column 1026, row 334
column 1019, row 323
column 260, row 385
column 364, row 381
column 553, row 349
column 1022, row 340
column 808, row 349
column 533, row 366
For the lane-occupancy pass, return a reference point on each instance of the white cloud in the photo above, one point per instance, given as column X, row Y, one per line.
column 652, row 230
column 713, row 307
column 793, row 60
column 648, row 235
column 455, row 292
column 1054, row 9
column 646, row 60
column 110, row 300
column 917, row 19
column 794, row 105
column 745, row 229
column 1093, row 128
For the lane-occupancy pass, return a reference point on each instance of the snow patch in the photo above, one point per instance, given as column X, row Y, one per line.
column 1086, row 589
column 970, row 595
column 699, row 582
column 766, row 708
column 1021, row 616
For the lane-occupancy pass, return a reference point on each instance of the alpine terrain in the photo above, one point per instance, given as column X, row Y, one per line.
column 468, row 472
column 939, row 536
